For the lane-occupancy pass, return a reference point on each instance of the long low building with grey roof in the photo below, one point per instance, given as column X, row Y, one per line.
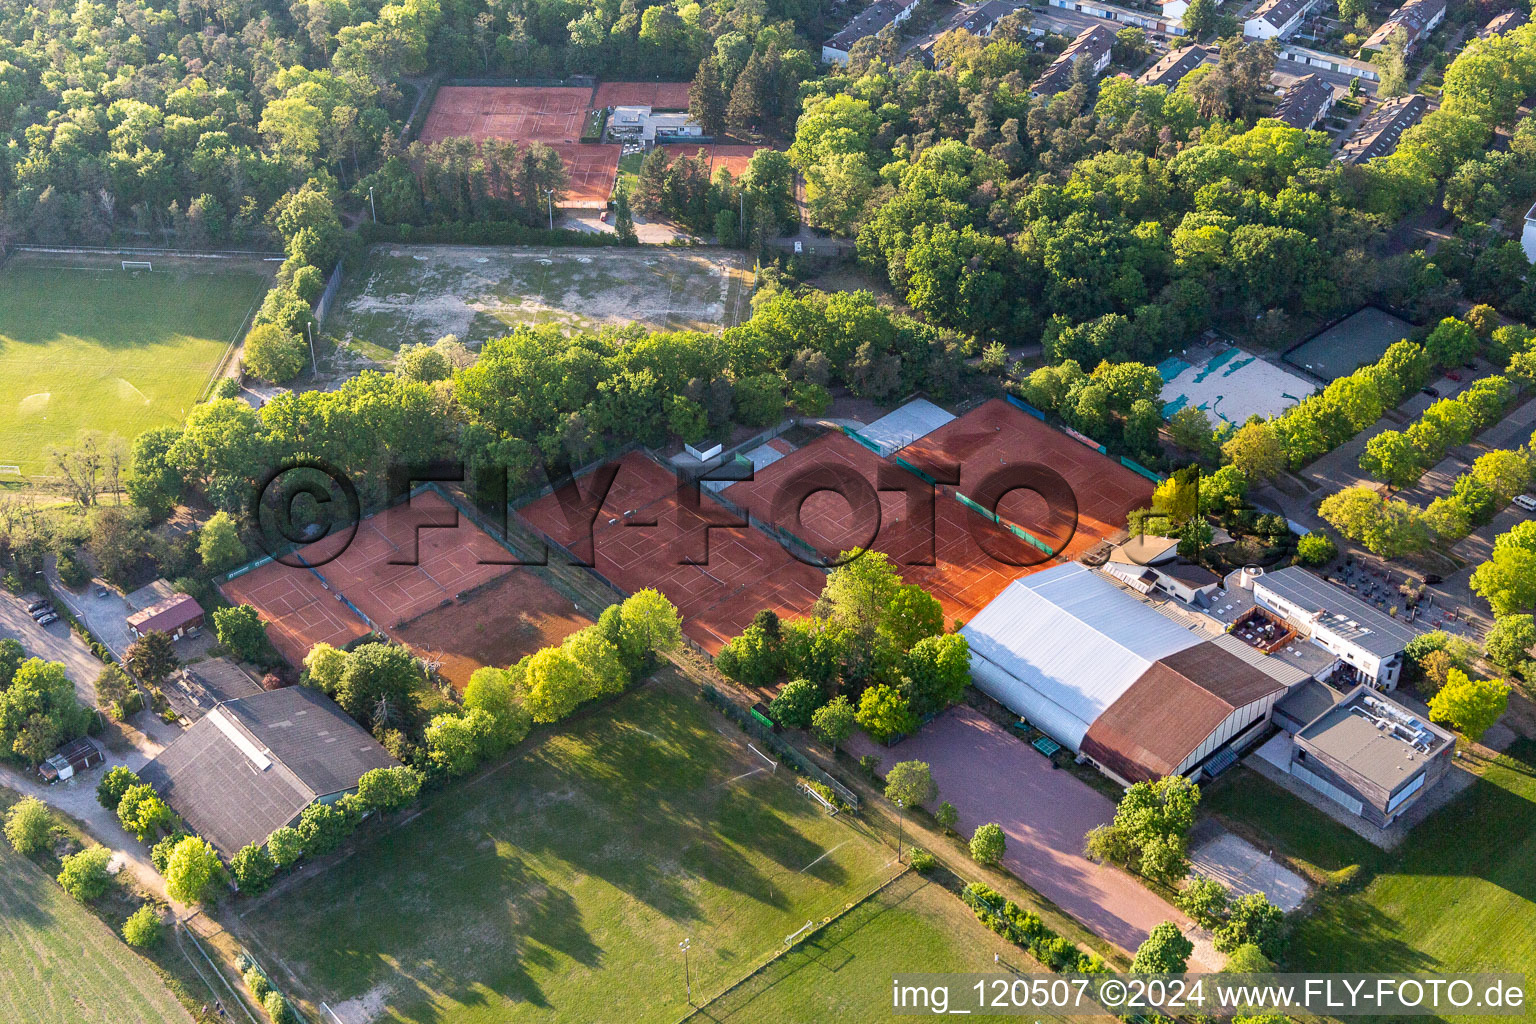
column 1380, row 132
column 252, row 765
column 1174, row 66
column 868, row 22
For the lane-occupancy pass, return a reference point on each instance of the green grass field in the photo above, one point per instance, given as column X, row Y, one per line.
column 1458, row 895
column 558, row 887
column 107, row 349
column 60, row 965
column 844, row 974
column 405, row 294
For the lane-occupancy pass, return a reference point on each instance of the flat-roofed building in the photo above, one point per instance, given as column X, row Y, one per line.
column 1371, row 755
column 1370, row 643
column 1379, row 133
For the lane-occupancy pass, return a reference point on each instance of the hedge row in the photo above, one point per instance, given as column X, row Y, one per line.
column 1025, row 929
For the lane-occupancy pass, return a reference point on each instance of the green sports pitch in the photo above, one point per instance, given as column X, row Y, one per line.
column 558, row 886
column 87, row 345
column 59, row 963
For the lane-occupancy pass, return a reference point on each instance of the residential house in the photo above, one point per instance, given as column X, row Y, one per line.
column 1307, row 102
column 1416, row 19
column 1276, row 19
column 1094, row 45
column 1379, row 133
column 866, row 23
column 1174, row 66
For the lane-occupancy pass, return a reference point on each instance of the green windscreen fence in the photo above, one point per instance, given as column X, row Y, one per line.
column 866, row 442
column 916, row 471
column 1013, row 528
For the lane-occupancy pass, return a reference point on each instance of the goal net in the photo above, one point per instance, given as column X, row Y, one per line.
column 137, row 265
column 8, row 470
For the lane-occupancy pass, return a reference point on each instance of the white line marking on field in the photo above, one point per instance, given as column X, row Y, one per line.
column 824, row 856
column 754, row 771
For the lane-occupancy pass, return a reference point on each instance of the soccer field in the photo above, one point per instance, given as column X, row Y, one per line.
column 60, row 965
column 405, row 294
column 85, row 345
column 558, row 887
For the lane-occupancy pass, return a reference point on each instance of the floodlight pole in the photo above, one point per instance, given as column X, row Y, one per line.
column 687, row 978
column 375, row 209
column 313, row 364
column 901, row 826
column 549, row 194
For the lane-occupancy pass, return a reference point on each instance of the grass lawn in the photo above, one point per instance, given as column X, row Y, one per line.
column 1458, row 895
column 844, row 974
column 96, row 347
column 559, row 886
column 60, row 965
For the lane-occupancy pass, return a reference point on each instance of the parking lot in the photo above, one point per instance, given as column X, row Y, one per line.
column 55, row 642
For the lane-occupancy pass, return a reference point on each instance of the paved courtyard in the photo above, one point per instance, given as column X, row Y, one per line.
column 1045, row 812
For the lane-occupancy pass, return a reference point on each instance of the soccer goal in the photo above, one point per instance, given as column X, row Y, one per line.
column 826, row 804
column 6, row 470
column 138, row 265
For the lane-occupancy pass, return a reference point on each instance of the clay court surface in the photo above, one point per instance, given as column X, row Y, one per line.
column 403, row 294
column 592, row 169
column 657, row 95
column 305, row 606
column 521, row 114
column 498, row 625
column 732, row 158
column 506, row 112
column 642, row 535
column 1045, row 814
column 970, row 559
column 996, row 434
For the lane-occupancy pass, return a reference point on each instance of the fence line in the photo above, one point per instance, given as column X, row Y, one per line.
column 327, row 297
column 786, row 750
column 145, row 250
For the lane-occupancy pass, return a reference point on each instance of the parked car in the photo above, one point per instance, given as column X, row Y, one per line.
column 1526, row 502
column 37, row 606
column 48, row 620
column 46, row 609
column 1431, row 578
column 1431, row 392
column 1454, row 375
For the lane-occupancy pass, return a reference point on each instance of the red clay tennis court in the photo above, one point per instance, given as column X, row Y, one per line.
column 525, row 114
column 995, row 434
column 745, row 570
column 955, row 568
column 521, row 114
column 656, row 95
column 592, row 169
column 448, row 562
column 498, row 625
column 732, row 158
column 299, row 611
